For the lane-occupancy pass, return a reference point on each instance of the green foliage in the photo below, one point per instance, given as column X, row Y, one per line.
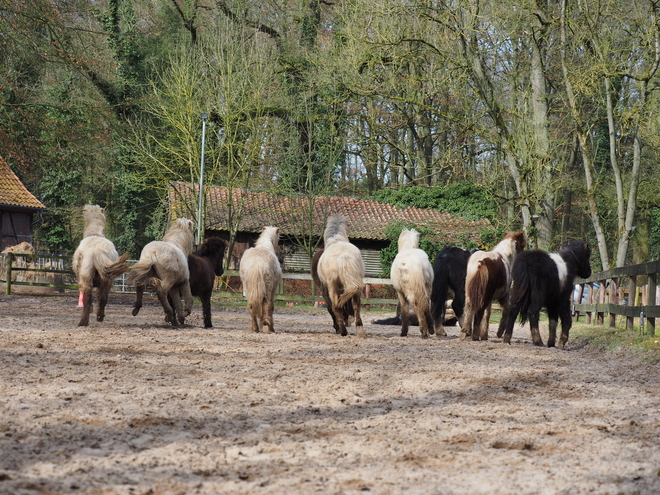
column 427, row 243
column 654, row 234
column 466, row 200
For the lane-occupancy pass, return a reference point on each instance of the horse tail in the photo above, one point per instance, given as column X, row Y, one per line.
column 523, row 290
column 351, row 272
column 143, row 273
column 476, row 284
column 117, row 268
column 439, row 290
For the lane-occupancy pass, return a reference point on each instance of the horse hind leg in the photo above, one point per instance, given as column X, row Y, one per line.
column 534, row 328
column 505, row 305
column 468, row 321
column 405, row 315
column 87, row 307
column 421, row 311
column 359, row 327
column 103, row 291
column 170, row 316
column 566, row 323
column 186, row 293
column 139, row 291
column 254, row 308
column 205, row 298
column 267, row 312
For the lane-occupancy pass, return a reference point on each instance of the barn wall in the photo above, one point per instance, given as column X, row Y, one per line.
column 15, row 227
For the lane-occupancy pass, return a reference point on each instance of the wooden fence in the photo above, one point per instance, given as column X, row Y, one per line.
column 15, row 264
column 628, row 291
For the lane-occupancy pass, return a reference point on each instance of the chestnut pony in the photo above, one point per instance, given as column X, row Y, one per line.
column 488, row 278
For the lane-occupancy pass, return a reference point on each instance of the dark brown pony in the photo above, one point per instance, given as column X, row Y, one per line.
column 205, row 264
column 546, row 280
column 449, row 272
column 488, row 278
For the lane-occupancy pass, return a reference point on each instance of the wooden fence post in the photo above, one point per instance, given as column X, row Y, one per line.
column 10, row 261
column 632, row 295
column 651, row 287
column 600, row 315
column 614, row 299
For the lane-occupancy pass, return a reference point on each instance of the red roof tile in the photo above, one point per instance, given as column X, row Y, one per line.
column 367, row 219
column 12, row 190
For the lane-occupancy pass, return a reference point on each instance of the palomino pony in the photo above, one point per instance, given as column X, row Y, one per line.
column 348, row 307
column 412, row 277
column 341, row 270
column 164, row 265
column 96, row 263
column 449, row 272
column 546, row 280
column 260, row 273
column 488, row 278
column 204, row 265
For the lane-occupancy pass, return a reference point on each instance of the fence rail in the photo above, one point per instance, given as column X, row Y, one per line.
column 24, row 263
column 628, row 291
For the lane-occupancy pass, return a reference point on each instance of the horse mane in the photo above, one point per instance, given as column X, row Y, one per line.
column 408, row 239
column 335, row 230
column 512, row 244
column 269, row 238
column 180, row 233
column 94, row 221
column 210, row 246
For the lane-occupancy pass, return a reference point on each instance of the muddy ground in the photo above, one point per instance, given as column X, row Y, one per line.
column 132, row 406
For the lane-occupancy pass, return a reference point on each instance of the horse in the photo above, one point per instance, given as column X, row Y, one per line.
column 260, row 274
column 204, row 265
column 164, row 266
column 543, row 279
column 96, row 263
column 341, row 270
column 488, row 278
column 412, row 277
column 348, row 307
column 449, row 272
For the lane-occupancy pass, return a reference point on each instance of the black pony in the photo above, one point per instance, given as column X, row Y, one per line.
column 449, row 270
column 204, row 265
column 543, row 279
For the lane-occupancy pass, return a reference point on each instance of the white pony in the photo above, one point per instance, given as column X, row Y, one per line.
column 341, row 271
column 260, row 274
column 164, row 266
column 412, row 277
column 96, row 263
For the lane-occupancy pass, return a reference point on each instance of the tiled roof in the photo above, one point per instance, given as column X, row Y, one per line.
column 12, row 190
column 367, row 219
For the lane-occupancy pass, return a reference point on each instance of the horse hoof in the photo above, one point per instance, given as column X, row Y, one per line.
column 136, row 311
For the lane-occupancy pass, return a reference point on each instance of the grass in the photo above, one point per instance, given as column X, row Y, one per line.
column 618, row 337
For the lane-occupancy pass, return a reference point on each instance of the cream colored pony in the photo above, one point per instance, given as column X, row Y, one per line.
column 163, row 265
column 96, row 263
column 260, row 274
column 412, row 277
column 341, row 271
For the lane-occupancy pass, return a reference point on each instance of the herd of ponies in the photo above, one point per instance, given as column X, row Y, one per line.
column 522, row 281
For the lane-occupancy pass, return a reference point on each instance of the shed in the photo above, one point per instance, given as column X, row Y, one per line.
column 297, row 217
column 17, row 209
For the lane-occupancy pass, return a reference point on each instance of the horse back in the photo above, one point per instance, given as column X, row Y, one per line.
column 536, row 281
column 487, row 278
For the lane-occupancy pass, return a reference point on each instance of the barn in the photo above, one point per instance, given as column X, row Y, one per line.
column 302, row 220
column 17, row 209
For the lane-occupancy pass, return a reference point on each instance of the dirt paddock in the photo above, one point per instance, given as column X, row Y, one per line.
column 132, row 406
